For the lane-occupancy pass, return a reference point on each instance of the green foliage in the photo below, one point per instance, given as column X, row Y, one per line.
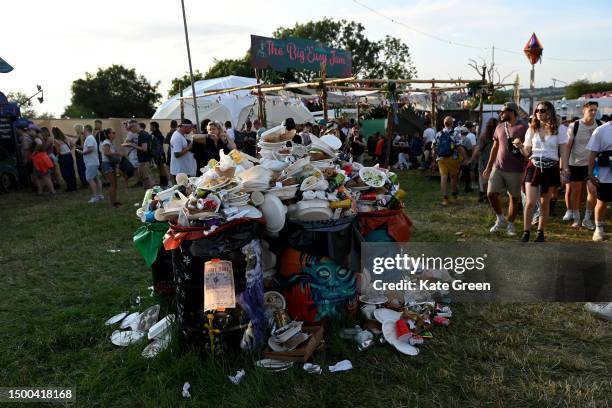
column 226, row 67
column 115, row 91
column 183, row 82
column 27, row 109
column 583, row 86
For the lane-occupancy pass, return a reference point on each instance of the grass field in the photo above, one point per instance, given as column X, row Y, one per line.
column 60, row 283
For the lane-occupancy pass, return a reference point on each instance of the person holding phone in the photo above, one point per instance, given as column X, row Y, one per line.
column 546, row 169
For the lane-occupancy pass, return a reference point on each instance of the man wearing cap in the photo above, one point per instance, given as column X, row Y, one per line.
column 505, row 167
column 182, row 157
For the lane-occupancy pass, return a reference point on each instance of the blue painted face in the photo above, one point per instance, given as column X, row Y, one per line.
column 331, row 284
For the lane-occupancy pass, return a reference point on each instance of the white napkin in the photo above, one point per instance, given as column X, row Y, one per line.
column 343, row 365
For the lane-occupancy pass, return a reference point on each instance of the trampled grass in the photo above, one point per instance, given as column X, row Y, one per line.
column 60, row 283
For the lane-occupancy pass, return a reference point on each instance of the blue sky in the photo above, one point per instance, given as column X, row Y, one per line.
column 56, row 42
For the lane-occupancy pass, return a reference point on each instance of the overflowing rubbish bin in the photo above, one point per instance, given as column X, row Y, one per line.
column 218, row 330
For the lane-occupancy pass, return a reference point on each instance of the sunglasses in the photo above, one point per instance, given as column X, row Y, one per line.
column 541, row 111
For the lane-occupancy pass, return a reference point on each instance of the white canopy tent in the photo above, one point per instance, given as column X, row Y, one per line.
column 237, row 106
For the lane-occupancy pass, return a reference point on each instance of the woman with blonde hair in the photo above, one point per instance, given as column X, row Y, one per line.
column 78, row 135
column 545, row 170
column 216, row 140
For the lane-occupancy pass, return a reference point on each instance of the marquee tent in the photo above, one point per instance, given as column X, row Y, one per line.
column 237, row 106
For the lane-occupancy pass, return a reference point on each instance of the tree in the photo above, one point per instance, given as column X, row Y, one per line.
column 115, row 91
column 26, row 107
column 183, row 82
column 389, row 57
column 239, row 67
column 578, row 88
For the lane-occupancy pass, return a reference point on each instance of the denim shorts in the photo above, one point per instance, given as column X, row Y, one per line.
column 91, row 172
column 108, row 167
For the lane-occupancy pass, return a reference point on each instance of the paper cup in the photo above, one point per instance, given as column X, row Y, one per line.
column 402, row 332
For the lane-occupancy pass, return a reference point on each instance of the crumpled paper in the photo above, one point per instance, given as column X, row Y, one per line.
column 237, row 378
column 343, row 365
column 186, row 393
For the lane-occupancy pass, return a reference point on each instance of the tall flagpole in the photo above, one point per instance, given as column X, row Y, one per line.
column 193, row 92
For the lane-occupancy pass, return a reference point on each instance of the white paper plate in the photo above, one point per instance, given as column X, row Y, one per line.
column 161, row 328
column 129, row 320
column 367, row 172
column 383, row 315
column 148, row 318
column 125, row 338
column 156, row 346
column 116, row 318
column 314, row 214
column 332, row 141
column 274, row 300
column 274, row 365
column 388, row 329
column 373, row 299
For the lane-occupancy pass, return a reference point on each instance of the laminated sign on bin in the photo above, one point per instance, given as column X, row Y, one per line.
column 219, row 290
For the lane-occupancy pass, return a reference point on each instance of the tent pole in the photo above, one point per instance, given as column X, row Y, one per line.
column 260, row 115
column 193, row 92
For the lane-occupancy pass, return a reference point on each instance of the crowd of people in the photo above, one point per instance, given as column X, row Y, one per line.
column 532, row 161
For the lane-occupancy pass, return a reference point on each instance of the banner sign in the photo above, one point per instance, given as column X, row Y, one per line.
column 280, row 54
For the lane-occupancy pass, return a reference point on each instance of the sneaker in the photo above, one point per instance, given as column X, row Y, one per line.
column 93, row 200
column 601, row 310
column 576, row 223
column 525, row 236
column 588, row 224
column 445, row 202
column 540, row 236
column 598, row 235
column 568, row 216
column 510, row 230
column 497, row 227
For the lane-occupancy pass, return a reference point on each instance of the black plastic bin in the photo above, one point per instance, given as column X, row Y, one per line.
column 188, row 260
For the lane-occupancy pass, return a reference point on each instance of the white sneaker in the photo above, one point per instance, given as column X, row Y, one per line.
column 93, row 200
column 576, row 222
column 510, row 230
column 598, row 235
column 568, row 216
column 601, row 310
column 497, row 227
column 587, row 223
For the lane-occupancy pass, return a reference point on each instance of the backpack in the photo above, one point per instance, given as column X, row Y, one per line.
column 153, row 145
column 446, row 145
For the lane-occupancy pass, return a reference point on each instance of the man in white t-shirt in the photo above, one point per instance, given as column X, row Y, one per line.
column 92, row 162
column 429, row 134
column 180, row 147
column 601, row 141
column 579, row 134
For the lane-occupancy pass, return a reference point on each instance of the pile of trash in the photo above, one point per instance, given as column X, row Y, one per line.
column 317, row 182
column 135, row 327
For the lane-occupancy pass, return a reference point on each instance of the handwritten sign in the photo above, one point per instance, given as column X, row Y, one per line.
column 281, row 54
column 219, row 291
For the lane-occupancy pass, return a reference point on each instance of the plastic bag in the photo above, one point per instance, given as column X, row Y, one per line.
column 149, row 238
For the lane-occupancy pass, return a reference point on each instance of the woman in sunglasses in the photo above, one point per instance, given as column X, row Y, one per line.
column 545, row 169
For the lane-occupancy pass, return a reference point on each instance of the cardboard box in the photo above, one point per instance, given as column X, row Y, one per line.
column 303, row 353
